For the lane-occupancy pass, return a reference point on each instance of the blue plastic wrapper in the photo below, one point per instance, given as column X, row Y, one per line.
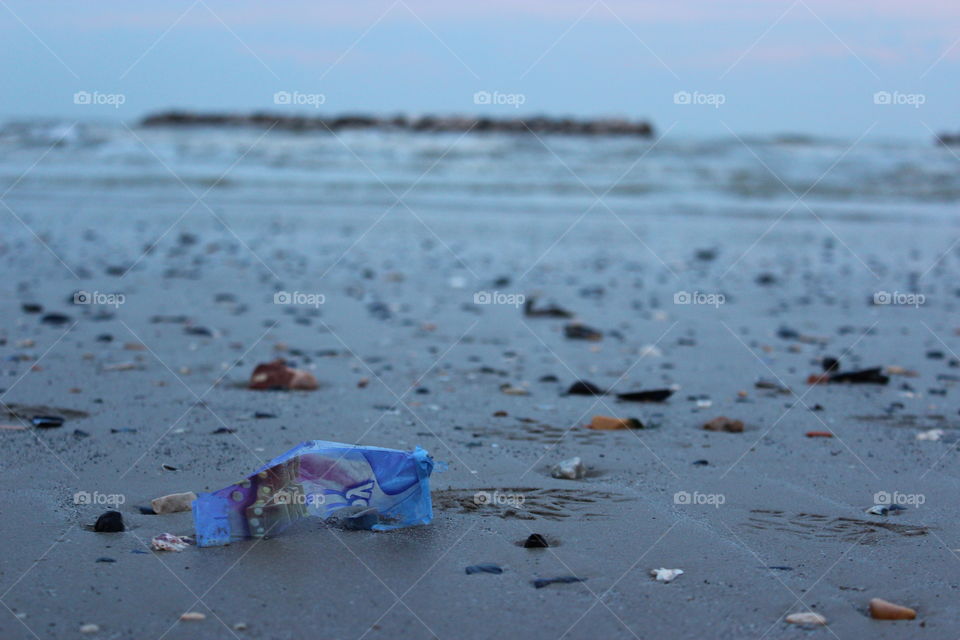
column 319, row 478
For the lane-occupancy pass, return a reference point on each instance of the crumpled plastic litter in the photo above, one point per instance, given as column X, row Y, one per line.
column 170, row 542
column 319, row 478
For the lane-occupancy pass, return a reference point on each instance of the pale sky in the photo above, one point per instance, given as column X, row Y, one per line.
column 753, row 66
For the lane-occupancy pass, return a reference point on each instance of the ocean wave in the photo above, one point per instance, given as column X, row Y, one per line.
column 496, row 166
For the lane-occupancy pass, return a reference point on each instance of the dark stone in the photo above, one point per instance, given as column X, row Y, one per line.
column 379, row 310
column 539, row 583
column 55, row 319
column 536, row 541
column 47, row 422
column 654, row 395
column 864, row 376
column 787, row 333
column 577, row 331
column 706, row 255
column 551, row 311
column 584, row 388
column 187, row 239
column 830, row 364
column 169, row 319
column 109, row 522
column 483, row 568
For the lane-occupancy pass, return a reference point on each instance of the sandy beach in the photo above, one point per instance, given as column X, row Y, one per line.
column 707, row 300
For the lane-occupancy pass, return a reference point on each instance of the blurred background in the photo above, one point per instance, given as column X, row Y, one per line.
column 803, row 66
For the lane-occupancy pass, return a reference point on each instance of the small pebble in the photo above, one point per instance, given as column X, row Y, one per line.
column 173, row 503
column 571, row 469
column 723, row 423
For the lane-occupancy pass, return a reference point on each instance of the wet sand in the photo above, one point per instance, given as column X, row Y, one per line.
column 789, row 534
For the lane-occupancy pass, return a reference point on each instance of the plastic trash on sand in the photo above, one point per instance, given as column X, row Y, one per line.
column 319, row 478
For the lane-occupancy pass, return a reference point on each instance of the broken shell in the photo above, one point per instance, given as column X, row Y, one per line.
column 666, row 575
column 932, row 435
column 277, row 375
column 609, row 423
column 722, row 423
column 193, row 616
column 511, row 390
column 807, row 617
column 882, row 610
